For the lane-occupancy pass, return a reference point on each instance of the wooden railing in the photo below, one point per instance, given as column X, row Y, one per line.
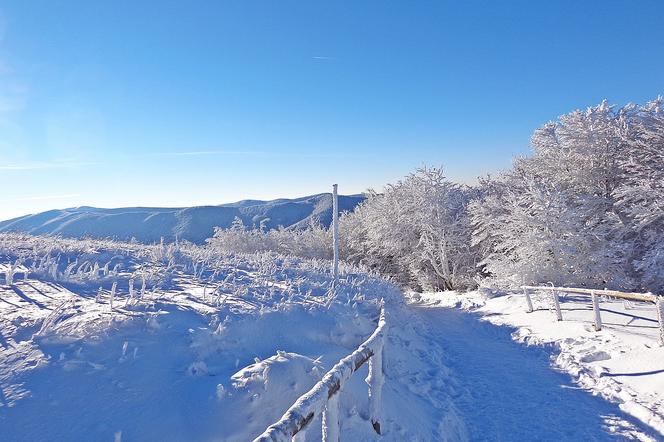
column 658, row 300
column 324, row 396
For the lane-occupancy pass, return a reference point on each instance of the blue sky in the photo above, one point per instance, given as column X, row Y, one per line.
column 181, row 103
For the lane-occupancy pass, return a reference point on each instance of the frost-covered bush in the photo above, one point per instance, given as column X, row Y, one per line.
column 83, row 262
column 311, row 242
column 266, row 279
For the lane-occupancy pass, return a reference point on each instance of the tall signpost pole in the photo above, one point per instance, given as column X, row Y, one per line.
column 335, row 233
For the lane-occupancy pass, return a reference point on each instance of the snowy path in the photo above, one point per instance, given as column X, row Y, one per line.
column 501, row 390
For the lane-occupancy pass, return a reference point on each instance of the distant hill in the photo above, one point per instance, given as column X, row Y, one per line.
column 195, row 224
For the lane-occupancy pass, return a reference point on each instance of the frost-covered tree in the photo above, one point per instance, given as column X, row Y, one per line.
column 533, row 232
column 640, row 194
column 417, row 230
column 569, row 213
column 581, row 151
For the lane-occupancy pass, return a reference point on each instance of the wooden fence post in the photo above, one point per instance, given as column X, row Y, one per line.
column 9, row 276
column 331, row 419
column 556, row 304
column 529, row 302
column 300, row 436
column 376, row 381
column 598, row 319
column 114, row 287
column 659, row 305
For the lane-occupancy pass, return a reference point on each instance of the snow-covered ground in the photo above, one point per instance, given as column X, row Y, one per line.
column 622, row 363
column 216, row 348
column 194, row 358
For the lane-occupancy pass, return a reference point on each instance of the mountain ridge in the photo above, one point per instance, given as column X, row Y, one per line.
column 195, row 223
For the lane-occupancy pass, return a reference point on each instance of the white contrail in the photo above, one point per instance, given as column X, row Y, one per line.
column 42, row 166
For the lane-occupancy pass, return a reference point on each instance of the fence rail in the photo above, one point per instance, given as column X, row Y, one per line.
column 658, row 300
column 324, row 396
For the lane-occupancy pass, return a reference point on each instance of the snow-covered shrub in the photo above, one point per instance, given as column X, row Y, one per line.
column 311, row 242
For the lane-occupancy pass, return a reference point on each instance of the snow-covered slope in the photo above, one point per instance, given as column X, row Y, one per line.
column 194, row 224
column 194, row 354
column 216, row 348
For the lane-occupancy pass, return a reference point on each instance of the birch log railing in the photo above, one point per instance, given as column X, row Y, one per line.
column 324, row 396
column 658, row 300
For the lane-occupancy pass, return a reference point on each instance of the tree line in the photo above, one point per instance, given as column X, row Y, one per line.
column 585, row 208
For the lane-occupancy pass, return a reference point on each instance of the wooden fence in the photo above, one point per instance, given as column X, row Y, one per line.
column 324, row 396
column 595, row 294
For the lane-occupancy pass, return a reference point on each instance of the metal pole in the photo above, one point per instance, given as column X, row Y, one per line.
column 335, row 233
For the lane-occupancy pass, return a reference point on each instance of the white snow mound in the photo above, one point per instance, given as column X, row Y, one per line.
column 274, row 383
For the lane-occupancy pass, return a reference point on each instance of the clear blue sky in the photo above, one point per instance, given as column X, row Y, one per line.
column 121, row 103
